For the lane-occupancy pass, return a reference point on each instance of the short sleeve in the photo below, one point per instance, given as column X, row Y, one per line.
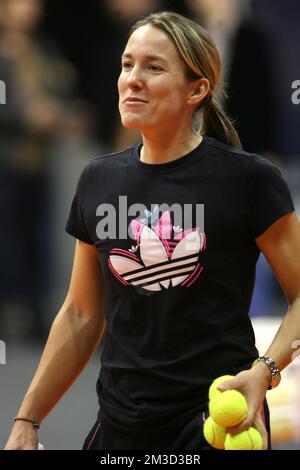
column 268, row 196
column 76, row 223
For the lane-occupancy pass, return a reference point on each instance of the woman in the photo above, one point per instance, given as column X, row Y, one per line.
column 176, row 280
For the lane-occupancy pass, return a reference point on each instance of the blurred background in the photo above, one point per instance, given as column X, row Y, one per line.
column 60, row 63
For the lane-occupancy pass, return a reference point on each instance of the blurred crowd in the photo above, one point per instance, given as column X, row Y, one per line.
column 60, row 62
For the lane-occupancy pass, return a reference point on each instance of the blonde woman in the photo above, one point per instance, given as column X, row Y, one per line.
column 177, row 222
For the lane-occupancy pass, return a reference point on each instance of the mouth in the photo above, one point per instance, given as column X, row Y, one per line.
column 133, row 101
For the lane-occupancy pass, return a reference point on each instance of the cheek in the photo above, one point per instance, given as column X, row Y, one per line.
column 168, row 91
column 171, row 99
column 121, row 84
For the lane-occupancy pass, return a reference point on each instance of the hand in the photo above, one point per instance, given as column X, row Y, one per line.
column 23, row 437
column 259, row 424
column 253, row 384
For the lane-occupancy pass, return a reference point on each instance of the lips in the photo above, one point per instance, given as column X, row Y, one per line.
column 133, row 99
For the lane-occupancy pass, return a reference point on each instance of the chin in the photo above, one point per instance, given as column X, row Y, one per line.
column 131, row 123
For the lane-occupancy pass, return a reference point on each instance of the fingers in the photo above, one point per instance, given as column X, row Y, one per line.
column 250, row 384
column 228, row 385
column 238, row 385
column 259, row 424
column 246, row 424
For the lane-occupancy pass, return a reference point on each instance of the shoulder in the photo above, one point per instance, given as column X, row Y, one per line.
column 229, row 151
column 105, row 165
column 251, row 163
column 111, row 159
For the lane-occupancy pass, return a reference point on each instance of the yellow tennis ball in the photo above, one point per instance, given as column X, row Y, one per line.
column 228, row 408
column 251, row 439
column 214, row 433
column 213, row 388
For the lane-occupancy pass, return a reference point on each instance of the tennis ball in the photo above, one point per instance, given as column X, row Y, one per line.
column 213, row 388
column 228, row 408
column 251, row 439
column 214, row 433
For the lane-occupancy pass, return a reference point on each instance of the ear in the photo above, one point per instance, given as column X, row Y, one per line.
column 199, row 90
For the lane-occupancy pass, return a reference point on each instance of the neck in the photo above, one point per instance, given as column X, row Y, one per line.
column 163, row 149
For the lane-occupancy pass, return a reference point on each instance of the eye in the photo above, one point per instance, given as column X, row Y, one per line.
column 155, row 68
column 126, row 65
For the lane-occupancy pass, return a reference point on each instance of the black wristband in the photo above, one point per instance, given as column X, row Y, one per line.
column 34, row 423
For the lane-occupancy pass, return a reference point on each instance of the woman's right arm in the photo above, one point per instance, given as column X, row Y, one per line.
column 74, row 336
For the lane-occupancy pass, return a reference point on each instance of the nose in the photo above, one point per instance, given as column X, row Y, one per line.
column 134, row 79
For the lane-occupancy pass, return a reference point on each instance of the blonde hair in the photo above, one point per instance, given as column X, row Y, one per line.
column 199, row 52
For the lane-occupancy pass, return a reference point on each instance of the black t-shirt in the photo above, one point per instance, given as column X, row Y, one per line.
column 178, row 265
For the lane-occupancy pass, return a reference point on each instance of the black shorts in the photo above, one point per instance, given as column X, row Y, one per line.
column 187, row 437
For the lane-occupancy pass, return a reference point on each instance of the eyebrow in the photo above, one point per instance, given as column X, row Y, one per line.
column 148, row 56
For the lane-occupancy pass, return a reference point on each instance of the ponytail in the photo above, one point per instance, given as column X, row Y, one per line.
column 217, row 124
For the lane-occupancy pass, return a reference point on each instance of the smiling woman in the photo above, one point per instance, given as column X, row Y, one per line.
column 172, row 299
column 168, row 74
column 153, row 89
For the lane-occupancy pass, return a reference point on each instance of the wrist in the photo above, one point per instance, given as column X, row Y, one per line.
column 24, row 426
column 264, row 371
column 270, row 369
column 27, row 422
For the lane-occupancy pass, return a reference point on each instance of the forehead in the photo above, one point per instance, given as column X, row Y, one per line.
column 148, row 40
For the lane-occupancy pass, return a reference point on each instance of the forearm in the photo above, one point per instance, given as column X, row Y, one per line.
column 254, row 382
column 72, row 341
column 281, row 350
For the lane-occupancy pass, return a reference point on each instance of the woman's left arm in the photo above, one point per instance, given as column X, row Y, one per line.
column 280, row 244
